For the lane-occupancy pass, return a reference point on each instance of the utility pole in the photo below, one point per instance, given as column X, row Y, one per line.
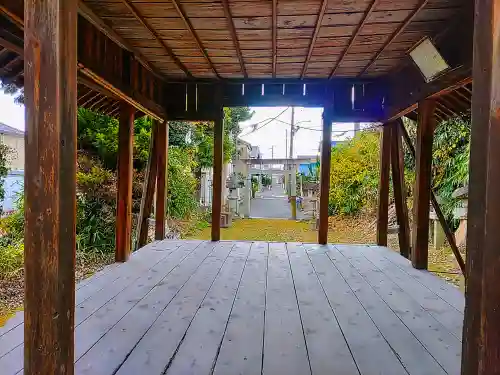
column 291, row 167
column 272, row 151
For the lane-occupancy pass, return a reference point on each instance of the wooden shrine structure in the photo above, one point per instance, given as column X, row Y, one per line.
column 187, row 59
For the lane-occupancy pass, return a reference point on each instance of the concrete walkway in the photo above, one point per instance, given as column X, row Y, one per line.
column 272, row 204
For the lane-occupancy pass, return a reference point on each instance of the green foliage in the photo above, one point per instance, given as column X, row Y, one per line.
column 450, row 154
column 450, row 158
column 5, row 154
column 95, row 207
column 255, row 186
column 11, row 258
column 354, row 174
column 11, row 240
column 181, row 183
column 98, row 134
column 267, row 180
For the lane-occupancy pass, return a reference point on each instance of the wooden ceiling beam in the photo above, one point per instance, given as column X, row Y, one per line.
column 189, row 26
column 319, row 20
column 275, row 36
column 11, row 46
column 100, row 24
column 232, row 29
column 11, row 63
column 354, row 36
column 13, row 17
column 394, row 35
column 155, row 35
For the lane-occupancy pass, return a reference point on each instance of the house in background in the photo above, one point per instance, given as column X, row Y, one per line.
column 14, row 182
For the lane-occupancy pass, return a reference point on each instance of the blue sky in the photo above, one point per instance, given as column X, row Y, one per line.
column 274, row 134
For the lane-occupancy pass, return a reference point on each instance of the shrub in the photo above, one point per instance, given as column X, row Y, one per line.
column 95, row 207
column 11, row 240
column 181, row 183
column 354, row 174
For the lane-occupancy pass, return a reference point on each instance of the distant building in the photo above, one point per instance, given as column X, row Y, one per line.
column 14, row 138
column 306, row 168
column 14, row 182
column 255, row 153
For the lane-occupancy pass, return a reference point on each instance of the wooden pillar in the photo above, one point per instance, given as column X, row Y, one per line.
column 161, row 181
column 148, row 189
column 383, row 187
column 422, row 196
column 481, row 336
column 217, row 178
column 326, row 154
column 124, row 191
column 398, row 181
column 50, row 92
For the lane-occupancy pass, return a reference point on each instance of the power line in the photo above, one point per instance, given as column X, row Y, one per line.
column 267, row 123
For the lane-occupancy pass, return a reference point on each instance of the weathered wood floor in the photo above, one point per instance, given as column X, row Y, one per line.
column 197, row 307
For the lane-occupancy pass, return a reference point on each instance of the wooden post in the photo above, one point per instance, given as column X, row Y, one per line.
column 439, row 213
column 124, row 191
column 398, row 181
column 326, row 154
column 148, row 189
column 481, row 336
column 422, row 196
column 50, row 92
column 161, row 181
column 383, row 187
column 217, row 178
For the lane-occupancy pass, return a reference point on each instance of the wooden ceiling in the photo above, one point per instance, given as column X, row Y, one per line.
column 274, row 38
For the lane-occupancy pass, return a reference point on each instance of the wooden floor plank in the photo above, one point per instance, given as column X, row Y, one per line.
column 326, row 345
column 254, row 308
column 413, row 355
column 97, row 280
column 445, row 347
column 11, row 341
column 199, row 349
column 106, row 356
column 284, row 344
column 159, row 344
column 441, row 310
column 96, row 286
column 92, row 329
column 372, row 353
column 448, row 292
column 241, row 349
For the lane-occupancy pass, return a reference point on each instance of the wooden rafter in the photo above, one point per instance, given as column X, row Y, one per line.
column 230, row 22
column 315, row 36
column 7, row 67
column 97, row 103
column 114, row 110
column 155, row 35
column 444, row 109
column 354, row 36
column 449, row 102
column 189, row 26
column 11, row 46
column 458, row 100
column 275, row 36
column 100, row 24
column 12, row 16
column 90, row 100
column 394, row 35
column 463, row 96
